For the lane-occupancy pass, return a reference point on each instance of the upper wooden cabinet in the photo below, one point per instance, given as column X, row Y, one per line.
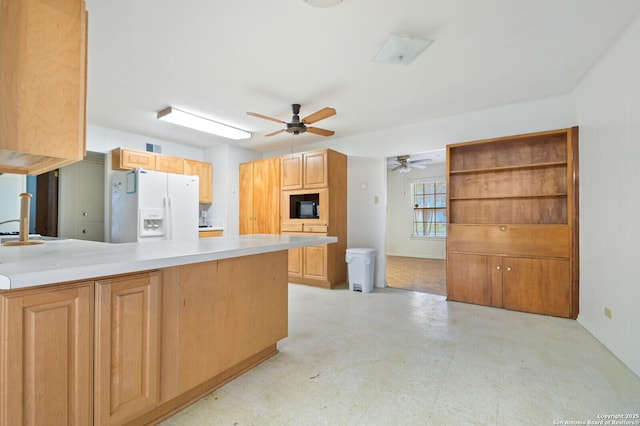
column 513, row 214
column 169, row 164
column 43, row 64
column 129, row 159
column 308, row 170
column 205, row 172
column 260, row 197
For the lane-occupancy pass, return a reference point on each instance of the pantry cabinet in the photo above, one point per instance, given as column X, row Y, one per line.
column 512, row 222
column 46, row 361
column 318, row 177
column 260, row 197
column 127, row 347
column 43, row 46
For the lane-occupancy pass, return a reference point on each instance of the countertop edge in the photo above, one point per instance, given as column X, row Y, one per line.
column 256, row 244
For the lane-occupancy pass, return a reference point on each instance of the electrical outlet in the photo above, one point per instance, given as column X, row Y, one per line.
column 607, row 313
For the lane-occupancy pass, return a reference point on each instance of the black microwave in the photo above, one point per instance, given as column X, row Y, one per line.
column 306, row 209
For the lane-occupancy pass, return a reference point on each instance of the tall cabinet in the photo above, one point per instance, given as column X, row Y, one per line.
column 512, row 239
column 318, row 177
column 260, row 197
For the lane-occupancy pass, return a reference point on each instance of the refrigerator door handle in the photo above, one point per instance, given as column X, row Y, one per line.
column 167, row 212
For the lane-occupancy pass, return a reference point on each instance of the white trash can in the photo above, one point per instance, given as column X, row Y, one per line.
column 361, row 263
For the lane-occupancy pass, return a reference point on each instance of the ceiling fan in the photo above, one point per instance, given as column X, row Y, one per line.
column 403, row 164
column 297, row 126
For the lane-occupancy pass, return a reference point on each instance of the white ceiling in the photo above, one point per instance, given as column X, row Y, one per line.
column 221, row 59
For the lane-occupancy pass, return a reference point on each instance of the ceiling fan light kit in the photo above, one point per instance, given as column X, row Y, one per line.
column 401, row 49
column 192, row 121
column 323, row 3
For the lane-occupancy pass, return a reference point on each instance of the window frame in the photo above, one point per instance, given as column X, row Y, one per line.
column 428, row 180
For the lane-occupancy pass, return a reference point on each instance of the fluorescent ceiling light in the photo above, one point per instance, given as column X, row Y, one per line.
column 181, row 118
column 401, row 49
column 323, row 3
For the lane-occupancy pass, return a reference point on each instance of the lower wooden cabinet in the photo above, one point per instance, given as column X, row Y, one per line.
column 46, row 361
column 536, row 285
column 127, row 347
column 134, row 349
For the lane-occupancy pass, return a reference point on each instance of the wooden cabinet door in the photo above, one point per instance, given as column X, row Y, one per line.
column 539, row 286
column 315, row 262
column 169, row 164
column 292, row 172
column 266, row 196
column 43, row 91
column 46, row 359
column 295, row 262
column 205, row 172
column 246, row 199
column 127, row 348
column 315, row 166
column 474, row 278
column 129, row 159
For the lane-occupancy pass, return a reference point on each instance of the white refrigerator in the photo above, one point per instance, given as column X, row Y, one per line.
column 151, row 206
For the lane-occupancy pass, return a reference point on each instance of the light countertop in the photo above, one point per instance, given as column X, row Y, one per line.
column 72, row 260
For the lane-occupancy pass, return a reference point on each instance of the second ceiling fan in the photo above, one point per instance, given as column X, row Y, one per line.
column 297, row 125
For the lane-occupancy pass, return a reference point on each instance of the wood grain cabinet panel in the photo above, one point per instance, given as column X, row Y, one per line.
column 513, row 208
column 205, row 172
column 260, row 197
column 43, row 46
column 127, row 373
column 169, row 164
column 46, row 359
column 129, row 159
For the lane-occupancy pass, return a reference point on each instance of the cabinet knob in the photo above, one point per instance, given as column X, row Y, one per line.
column 85, row 213
column 498, row 268
column 84, row 231
column 503, row 228
column 508, row 268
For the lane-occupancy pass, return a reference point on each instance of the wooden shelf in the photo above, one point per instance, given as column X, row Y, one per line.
column 509, row 168
column 507, row 197
column 512, row 215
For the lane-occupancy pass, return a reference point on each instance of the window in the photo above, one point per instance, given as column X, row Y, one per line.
column 429, row 203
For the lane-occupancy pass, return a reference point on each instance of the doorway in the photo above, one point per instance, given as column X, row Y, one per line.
column 415, row 249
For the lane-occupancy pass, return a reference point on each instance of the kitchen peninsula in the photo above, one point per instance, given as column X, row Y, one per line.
column 96, row 333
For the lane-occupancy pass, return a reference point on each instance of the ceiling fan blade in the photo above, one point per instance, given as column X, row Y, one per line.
column 319, row 115
column 275, row 133
column 255, row 114
column 321, row 132
column 418, row 165
column 396, row 167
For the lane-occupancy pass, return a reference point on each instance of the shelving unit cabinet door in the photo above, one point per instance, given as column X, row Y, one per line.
column 46, row 359
column 127, row 348
column 474, row 278
column 540, row 286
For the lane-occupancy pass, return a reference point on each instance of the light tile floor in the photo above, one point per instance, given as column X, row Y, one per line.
column 395, row 357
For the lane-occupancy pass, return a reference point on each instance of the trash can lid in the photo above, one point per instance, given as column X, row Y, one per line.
column 367, row 251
